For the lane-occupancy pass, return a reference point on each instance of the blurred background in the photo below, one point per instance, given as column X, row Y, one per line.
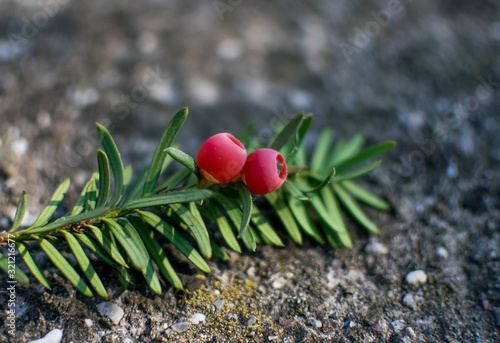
column 411, row 71
column 423, row 73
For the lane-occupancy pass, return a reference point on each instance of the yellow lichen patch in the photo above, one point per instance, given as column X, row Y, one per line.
column 231, row 310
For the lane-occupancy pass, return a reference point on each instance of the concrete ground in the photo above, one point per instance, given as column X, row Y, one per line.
column 425, row 74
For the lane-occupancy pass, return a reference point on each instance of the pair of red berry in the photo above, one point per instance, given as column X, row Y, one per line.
column 222, row 158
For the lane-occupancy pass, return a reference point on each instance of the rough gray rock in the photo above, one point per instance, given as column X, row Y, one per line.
column 426, row 76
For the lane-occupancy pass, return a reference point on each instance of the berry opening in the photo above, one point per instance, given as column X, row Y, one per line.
column 235, row 141
column 281, row 166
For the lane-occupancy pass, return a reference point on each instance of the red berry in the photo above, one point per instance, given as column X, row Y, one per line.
column 221, row 158
column 265, row 171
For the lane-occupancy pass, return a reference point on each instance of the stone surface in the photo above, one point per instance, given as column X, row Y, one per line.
column 54, row 336
column 198, row 318
column 416, row 277
column 428, row 79
column 112, row 311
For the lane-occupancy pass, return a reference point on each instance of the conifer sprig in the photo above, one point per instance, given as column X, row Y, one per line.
column 122, row 222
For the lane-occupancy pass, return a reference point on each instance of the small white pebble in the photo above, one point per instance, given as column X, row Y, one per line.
column 300, row 99
column 180, row 327
column 20, row 146
column 219, row 303
column 198, row 318
column 272, row 338
column 89, row 322
column 251, row 271
column 452, row 171
column 408, row 301
column 416, row 277
column 230, row 49
column 317, row 323
column 442, row 252
column 252, row 320
column 279, row 283
column 147, row 42
column 410, row 332
column 203, row 91
column 164, row 92
column 398, row 325
column 54, row 336
column 376, row 248
column 126, row 340
column 112, row 311
column 83, row 97
column 44, row 120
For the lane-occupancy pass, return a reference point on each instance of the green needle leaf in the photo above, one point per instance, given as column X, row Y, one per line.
column 333, row 207
column 344, row 150
column 331, row 236
column 303, row 128
column 80, row 203
column 365, row 154
column 366, row 196
column 85, row 264
column 21, row 210
column 246, row 204
column 193, row 208
column 128, row 244
column 106, row 239
column 128, row 173
column 168, row 198
column 323, row 183
column 265, row 229
column 356, row 173
column 159, row 155
column 299, row 211
column 91, row 195
column 285, row 216
column 13, row 271
column 115, row 161
column 180, row 242
column 156, row 251
column 30, row 262
column 51, row 207
column 329, row 214
column 148, row 272
column 67, row 270
column 104, row 179
column 354, row 209
column 236, row 217
column 213, row 212
column 299, row 158
column 96, row 249
column 289, row 131
column 183, row 158
column 68, row 221
column 135, row 191
column 125, row 278
column 295, row 192
column 249, row 239
column 246, row 134
column 219, row 252
column 322, row 149
column 194, row 226
column 173, row 181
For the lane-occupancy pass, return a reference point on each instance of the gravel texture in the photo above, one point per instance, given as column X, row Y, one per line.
column 424, row 73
